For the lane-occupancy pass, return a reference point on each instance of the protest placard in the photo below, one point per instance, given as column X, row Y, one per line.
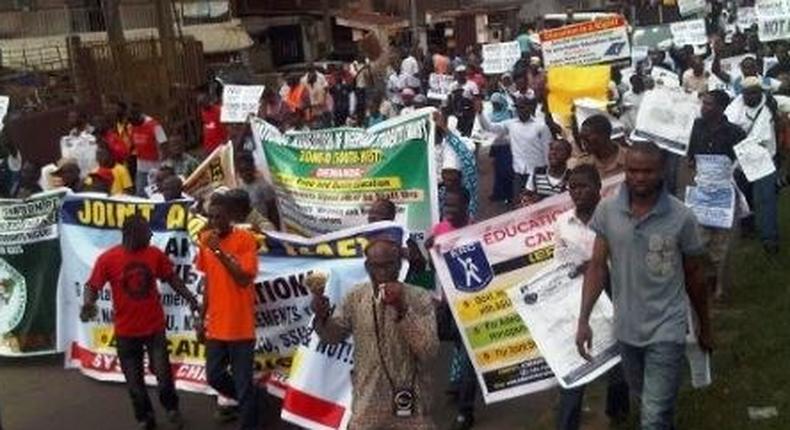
column 712, row 204
column 690, row 32
column 598, row 41
column 773, row 19
column 4, row 102
column 666, row 117
column 439, row 86
column 587, row 107
column 327, row 179
column 755, row 161
column 217, row 170
column 549, row 304
column 500, row 57
column 29, row 250
column 691, row 7
column 476, row 265
column 239, row 101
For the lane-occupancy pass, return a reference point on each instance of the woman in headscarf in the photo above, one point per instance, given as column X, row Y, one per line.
column 500, row 151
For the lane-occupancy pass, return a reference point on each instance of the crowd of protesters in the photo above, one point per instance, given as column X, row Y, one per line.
column 642, row 246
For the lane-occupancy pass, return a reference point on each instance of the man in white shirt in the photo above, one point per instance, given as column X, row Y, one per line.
column 751, row 113
column 79, row 144
column 410, row 66
column 470, row 89
column 529, row 139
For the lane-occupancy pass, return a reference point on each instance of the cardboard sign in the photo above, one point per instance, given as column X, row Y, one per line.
column 666, row 117
column 598, row 41
column 439, row 86
column 689, row 32
column 500, row 57
column 239, row 101
column 690, row 7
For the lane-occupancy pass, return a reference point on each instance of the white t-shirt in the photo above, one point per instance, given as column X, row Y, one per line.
column 80, row 146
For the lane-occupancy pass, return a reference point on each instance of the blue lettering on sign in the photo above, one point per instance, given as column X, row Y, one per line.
column 469, row 267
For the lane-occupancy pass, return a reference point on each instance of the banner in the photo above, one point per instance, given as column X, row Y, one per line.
column 217, row 170
column 239, row 101
column 773, row 19
column 439, row 86
column 91, row 225
column 326, row 180
column 476, row 265
column 550, row 304
column 28, row 284
column 666, row 117
column 690, row 32
column 690, row 7
column 598, row 41
column 500, row 57
column 568, row 83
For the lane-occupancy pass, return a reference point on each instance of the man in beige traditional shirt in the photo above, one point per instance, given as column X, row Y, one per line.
column 394, row 330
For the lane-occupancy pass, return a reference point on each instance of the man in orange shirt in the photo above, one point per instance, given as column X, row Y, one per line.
column 228, row 258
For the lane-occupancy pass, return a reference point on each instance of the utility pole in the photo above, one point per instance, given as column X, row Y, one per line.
column 327, row 20
column 164, row 25
column 115, row 37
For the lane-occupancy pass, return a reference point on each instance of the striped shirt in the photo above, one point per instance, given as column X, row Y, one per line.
column 545, row 185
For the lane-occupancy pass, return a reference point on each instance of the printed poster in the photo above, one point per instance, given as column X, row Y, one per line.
column 500, row 57
column 690, row 32
column 476, row 266
column 239, row 102
column 549, row 304
column 217, row 170
column 29, row 250
column 600, row 41
column 666, row 117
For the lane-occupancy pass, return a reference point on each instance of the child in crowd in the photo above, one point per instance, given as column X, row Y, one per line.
column 549, row 180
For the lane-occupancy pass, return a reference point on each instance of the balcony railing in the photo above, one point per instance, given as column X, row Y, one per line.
column 66, row 20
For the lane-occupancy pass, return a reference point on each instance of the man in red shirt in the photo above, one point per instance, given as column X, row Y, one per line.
column 148, row 136
column 228, row 258
column 132, row 269
column 214, row 131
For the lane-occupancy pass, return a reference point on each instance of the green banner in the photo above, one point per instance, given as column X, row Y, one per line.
column 29, row 264
column 326, row 180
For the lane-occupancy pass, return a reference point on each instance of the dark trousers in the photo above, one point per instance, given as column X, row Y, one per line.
column 617, row 401
column 467, row 388
column 519, row 183
column 503, row 172
column 236, row 384
column 130, row 353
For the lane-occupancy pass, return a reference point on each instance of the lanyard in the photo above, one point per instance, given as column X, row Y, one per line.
column 378, row 346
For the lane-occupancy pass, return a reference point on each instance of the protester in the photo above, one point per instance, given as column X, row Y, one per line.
column 647, row 243
column 695, row 79
column 227, row 256
column 632, row 99
column 79, row 144
column 394, row 330
column 214, row 131
column 183, row 163
column 384, row 210
column 154, row 190
column 243, row 213
column 410, row 66
column 10, row 165
column 754, row 115
column 28, row 182
column 132, row 269
column 172, row 189
column 148, row 137
column 120, row 179
column 713, row 134
column 573, row 244
column 529, row 140
column 260, row 191
column 596, row 141
column 67, row 174
column 500, row 151
column 316, row 86
column 294, row 94
column 550, row 180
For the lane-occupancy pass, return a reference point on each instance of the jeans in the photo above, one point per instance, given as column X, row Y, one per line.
column 654, row 374
column 238, row 383
column 130, row 353
column 617, row 402
column 765, row 199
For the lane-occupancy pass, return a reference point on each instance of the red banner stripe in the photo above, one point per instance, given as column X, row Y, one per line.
column 313, row 408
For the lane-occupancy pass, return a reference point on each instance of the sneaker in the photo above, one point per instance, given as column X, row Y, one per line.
column 463, row 422
column 225, row 414
column 175, row 419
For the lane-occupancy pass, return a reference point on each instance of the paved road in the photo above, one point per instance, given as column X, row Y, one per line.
column 37, row 394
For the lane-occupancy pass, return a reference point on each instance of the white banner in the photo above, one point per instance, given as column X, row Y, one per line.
column 690, row 32
column 666, row 117
column 239, row 101
column 500, row 57
column 439, row 86
column 590, row 42
column 549, row 305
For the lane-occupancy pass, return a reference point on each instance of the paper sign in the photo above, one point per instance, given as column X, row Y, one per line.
column 773, row 19
column 689, row 32
column 747, row 17
column 239, row 101
column 690, row 7
column 666, row 117
column 755, row 161
column 590, row 42
column 587, row 107
column 439, row 86
column 714, row 206
column 549, row 305
column 4, row 102
column 713, row 169
column 500, row 57
column 664, row 78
